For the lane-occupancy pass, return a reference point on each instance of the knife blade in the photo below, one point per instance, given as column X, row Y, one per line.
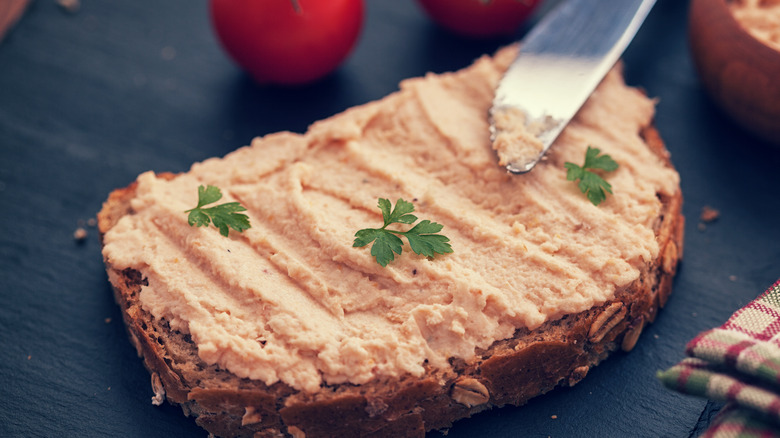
column 559, row 64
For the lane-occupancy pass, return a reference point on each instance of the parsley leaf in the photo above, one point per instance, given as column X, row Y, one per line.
column 591, row 184
column 423, row 237
column 224, row 216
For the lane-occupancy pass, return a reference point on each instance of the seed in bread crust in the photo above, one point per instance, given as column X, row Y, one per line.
column 295, row 432
column 578, row 374
column 470, row 392
column 375, row 407
column 251, row 416
column 632, row 335
column 159, row 390
column 611, row 316
column 669, row 262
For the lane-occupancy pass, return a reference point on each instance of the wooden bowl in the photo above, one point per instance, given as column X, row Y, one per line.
column 740, row 73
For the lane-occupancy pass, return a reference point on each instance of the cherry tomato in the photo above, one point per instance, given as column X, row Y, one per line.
column 480, row 18
column 287, row 41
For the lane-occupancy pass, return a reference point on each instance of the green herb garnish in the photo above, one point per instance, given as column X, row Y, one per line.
column 591, row 184
column 223, row 215
column 422, row 237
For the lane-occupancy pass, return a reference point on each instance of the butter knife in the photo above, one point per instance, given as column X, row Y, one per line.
column 559, row 64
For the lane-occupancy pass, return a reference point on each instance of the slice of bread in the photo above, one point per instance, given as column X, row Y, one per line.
column 534, row 358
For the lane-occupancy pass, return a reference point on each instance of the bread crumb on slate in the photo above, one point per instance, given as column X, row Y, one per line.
column 709, row 214
column 70, row 6
column 80, row 234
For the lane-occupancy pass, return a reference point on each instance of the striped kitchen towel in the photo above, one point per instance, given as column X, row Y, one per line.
column 738, row 363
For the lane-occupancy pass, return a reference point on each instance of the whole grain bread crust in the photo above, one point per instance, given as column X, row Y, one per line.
column 509, row 372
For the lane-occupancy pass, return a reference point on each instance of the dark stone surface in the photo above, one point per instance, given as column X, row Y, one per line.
column 90, row 100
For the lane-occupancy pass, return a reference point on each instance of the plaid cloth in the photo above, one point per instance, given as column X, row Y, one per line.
column 739, row 363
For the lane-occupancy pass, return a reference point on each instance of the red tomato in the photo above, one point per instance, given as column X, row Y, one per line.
column 480, row 18
column 287, row 41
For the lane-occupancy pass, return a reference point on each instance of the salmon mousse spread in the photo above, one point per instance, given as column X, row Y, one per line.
column 516, row 138
column 290, row 299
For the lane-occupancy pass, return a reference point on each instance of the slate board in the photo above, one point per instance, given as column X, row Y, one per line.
column 90, row 100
